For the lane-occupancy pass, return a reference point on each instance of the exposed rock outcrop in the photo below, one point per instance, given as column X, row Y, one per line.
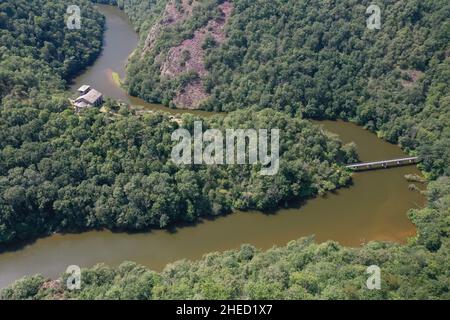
column 189, row 57
column 191, row 96
column 172, row 15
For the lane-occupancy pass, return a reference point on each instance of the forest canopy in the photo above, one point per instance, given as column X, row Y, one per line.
column 319, row 60
column 301, row 270
column 282, row 61
column 61, row 171
column 37, row 49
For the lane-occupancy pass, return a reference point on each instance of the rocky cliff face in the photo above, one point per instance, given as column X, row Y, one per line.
column 188, row 56
column 173, row 14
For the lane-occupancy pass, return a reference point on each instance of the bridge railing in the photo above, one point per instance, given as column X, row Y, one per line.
column 383, row 163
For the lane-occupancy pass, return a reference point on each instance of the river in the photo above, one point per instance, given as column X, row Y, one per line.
column 373, row 208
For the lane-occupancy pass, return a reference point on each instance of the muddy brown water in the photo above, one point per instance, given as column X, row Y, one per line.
column 373, row 208
column 119, row 42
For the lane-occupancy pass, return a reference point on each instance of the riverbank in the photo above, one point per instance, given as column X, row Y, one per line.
column 374, row 208
column 303, row 269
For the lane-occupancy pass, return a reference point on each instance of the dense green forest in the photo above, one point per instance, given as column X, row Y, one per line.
column 60, row 171
column 320, row 60
column 37, row 50
column 283, row 61
column 301, row 270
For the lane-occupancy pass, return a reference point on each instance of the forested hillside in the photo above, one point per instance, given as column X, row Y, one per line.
column 60, row 171
column 279, row 61
column 301, row 270
column 38, row 50
column 308, row 57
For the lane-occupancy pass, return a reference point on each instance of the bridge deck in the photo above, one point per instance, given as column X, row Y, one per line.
column 383, row 163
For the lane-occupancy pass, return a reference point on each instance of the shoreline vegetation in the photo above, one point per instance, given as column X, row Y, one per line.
column 116, row 79
column 302, row 269
column 56, row 190
column 90, row 171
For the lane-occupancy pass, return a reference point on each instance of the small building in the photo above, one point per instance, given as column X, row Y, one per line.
column 84, row 89
column 89, row 98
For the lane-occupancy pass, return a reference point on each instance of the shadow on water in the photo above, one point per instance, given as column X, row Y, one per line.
column 176, row 227
column 373, row 208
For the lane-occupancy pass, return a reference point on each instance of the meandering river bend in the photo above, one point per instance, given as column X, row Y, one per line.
column 374, row 208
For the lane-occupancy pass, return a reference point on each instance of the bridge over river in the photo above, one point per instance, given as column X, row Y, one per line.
column 383, row 164
column 372, row 209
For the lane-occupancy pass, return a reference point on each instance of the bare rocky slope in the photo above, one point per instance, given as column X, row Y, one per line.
column 183, row 60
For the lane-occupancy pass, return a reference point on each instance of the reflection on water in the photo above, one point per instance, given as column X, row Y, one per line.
column 374, row 208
